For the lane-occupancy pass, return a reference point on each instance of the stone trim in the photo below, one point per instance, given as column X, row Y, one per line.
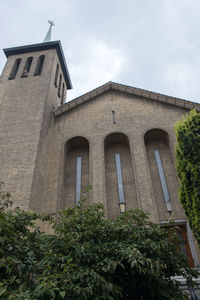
column 128, row 90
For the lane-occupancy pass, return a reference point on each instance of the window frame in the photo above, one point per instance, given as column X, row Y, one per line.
column 27, row 66
column 39, row 66
column 59, row 84
column 56, row 75
column 78, row 178
column 15, row 68
column 120, row 184
column 163, row 181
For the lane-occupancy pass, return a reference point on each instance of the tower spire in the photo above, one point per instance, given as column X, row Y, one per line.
column 48, row 35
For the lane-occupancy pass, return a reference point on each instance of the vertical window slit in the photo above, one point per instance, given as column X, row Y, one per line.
column 15, row 68
column 119, row 178
column 78, row 178
column 59, row 85
column 27, row 66
column 39, row 66
column 56, row 75
column 113, row 114
column 63, row 94
column 162, row 180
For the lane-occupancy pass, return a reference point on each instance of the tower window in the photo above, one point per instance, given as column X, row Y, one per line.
column 56, row 75
column 39, row 66
column 59, row 85
column 63, row 94
column 15, row 69
column 27, row 66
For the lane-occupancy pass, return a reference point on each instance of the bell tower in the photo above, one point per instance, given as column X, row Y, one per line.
column 34, row 81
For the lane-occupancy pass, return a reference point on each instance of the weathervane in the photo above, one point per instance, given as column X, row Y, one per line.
column 48, row 35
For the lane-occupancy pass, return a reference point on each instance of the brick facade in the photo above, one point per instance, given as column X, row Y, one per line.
column 41, row 140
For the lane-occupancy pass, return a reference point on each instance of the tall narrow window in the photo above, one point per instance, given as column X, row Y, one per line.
column 39, row 66
column 63, row 94
column 119, row 178
column 59, row 85
column 27, row 67
column 56, row 75
column 162, row 180
column 15, row 68
column 113, row 113
column 182, row 243
column 78, row 178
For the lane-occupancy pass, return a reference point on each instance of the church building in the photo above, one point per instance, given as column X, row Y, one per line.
column 117, row 139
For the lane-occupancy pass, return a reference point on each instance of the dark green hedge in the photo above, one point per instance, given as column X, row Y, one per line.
column 188, row 167
column 88, row 257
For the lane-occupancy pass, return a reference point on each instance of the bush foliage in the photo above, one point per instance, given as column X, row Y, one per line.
column 188, row 167
column 88, row 256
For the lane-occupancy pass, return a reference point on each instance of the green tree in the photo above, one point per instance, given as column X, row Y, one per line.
column 88, row 256
column 188, row 167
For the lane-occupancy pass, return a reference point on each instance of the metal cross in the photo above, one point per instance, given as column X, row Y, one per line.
column 51, row 23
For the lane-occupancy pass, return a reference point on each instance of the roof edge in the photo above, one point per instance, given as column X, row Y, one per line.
column 41, row 47
column 129, row 90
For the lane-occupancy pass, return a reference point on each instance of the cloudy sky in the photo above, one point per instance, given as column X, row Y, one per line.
column 149, row 44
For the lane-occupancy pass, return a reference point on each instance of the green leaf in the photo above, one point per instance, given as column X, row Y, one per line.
column 62, row 294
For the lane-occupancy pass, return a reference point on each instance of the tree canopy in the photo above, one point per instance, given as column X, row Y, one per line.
column 88, row 256
column 188, row 167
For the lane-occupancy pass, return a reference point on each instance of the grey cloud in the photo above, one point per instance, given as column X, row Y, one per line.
column 156, row 42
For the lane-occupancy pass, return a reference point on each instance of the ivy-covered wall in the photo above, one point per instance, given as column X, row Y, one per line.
column 188, row 167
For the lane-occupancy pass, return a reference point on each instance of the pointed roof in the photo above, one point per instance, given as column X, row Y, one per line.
column 112, row 86
column 48, row 35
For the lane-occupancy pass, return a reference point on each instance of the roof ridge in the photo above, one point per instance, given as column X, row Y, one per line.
column 110, row 85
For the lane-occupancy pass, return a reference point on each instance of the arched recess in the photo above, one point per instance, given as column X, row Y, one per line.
column 117, row 147
column 162, row 171
column 76, row 169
